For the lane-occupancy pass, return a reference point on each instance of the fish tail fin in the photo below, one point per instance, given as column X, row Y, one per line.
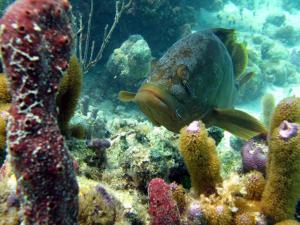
column 238, row 123
column 237, row 51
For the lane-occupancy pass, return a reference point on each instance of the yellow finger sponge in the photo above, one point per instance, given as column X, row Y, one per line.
column 68, row 94
column 200, row 156
column 282, row 188
column 4, row 90
column 287, row 109
column 288, row 222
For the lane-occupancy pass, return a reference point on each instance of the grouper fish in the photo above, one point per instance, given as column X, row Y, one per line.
column 198, row 79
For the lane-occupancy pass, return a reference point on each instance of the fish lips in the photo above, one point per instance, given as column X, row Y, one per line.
column 157, row 108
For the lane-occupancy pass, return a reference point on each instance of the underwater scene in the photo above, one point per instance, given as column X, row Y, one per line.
column 150, row 112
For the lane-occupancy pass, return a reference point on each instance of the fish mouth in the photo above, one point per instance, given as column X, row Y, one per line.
column 158, row 106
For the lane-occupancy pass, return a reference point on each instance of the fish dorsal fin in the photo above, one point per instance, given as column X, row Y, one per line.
column 245, row 78
column 237, row 51
column 237, row 122
column 126, row 96
column 239, row 56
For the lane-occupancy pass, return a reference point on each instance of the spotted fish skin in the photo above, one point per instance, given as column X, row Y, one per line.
column 197, row 71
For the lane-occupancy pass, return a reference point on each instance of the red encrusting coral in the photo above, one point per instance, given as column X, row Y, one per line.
column 35, row 45
column 162, row 208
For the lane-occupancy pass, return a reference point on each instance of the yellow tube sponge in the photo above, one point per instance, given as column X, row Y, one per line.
column 4, row 107
column 200, row 156
column 282, row 188
column 287, row 109
column 288, row 222
column 4, row 90
column 68, row 94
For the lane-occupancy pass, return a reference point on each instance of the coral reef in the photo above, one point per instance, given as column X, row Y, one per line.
column 9, row 203
column 249, row 198
column 96, row 206
column 167, row 18
column 130, row 63
column 200, row 156
column 119, row 152
column 276, row 19
column 47, row 186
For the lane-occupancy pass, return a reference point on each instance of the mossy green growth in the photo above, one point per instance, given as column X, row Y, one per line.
column 282, row 188
column 94, row 209
column 68, row 94
column 201, row 159
column 217, row 214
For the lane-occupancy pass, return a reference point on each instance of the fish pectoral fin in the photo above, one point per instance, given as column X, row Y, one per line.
column 238, row 123
column 126, row 96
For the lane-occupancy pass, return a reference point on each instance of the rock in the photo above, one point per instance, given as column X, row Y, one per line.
column 131, row 62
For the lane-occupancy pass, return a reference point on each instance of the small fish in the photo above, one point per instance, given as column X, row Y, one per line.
column 198, row 78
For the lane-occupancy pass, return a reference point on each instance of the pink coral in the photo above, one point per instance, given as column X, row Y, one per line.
column 162, row 208
column 35, row 45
